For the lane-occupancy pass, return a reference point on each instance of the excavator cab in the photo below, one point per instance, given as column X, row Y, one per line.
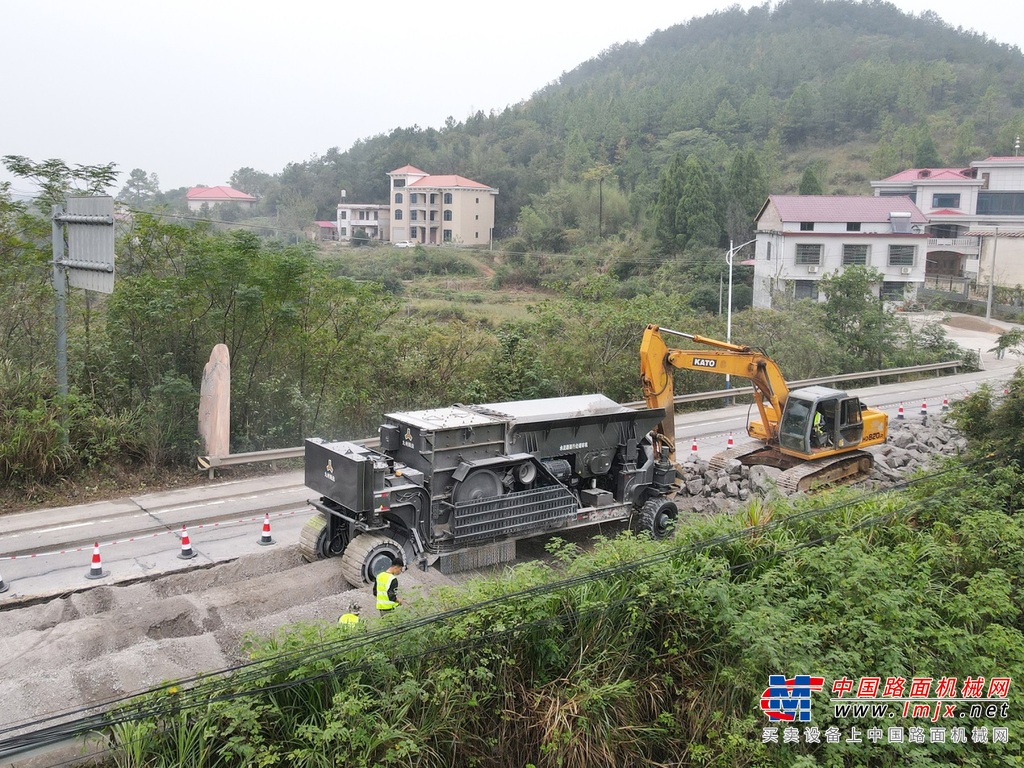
column 820, row 421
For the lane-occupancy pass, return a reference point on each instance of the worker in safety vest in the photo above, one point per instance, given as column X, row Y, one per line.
column 352, row 616
column 386, row 587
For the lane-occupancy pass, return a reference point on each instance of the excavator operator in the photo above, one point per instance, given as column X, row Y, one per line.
column 824, row 423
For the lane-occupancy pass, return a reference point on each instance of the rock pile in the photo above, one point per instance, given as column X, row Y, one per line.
column 912, row 445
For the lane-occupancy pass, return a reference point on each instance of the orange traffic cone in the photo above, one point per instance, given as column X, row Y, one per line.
column 693, row 448
column 187, row 553
column 924, row 408
column 729, row 442
column 96, row 569
column 899, row 412
column 3, row 585
column 265, row 538
column 945, row 403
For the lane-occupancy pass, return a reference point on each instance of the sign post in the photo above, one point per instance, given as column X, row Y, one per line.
column 89, row 263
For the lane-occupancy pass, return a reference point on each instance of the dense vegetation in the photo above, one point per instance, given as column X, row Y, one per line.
column 644, row 653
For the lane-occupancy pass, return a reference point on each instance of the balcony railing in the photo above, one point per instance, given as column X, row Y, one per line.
column 961, row 244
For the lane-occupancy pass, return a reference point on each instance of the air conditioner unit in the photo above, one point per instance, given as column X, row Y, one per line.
column 812, row 269
column 905, row 271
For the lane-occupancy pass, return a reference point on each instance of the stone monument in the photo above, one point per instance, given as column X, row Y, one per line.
column 215, row 403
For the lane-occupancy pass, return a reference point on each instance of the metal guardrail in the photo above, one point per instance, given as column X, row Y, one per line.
column 210, row 463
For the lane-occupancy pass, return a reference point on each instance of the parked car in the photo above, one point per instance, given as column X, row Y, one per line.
column 405, row 244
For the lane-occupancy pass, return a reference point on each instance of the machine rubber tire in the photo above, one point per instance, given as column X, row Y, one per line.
column 658, row 516
column 314, row 544
column 367, row 555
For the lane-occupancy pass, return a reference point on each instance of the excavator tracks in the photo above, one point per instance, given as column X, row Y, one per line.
column 815, row 474
column 798, row 475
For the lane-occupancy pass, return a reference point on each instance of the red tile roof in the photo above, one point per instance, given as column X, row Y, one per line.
column 446, row 182
column 326, row 223
column 946, row 212
column 840, row 208
column 407, row 169
column 932, row 174
column 217, row 193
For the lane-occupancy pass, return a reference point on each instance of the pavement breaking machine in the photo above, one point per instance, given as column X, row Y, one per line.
column 815, row 434
column 458, row 486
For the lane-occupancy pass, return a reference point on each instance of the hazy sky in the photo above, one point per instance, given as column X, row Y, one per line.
column 194, row 90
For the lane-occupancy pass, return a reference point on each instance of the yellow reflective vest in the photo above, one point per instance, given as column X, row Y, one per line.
column 385, row 603
column 348, row 618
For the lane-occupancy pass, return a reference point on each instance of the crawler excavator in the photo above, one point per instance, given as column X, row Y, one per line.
column 814, row 434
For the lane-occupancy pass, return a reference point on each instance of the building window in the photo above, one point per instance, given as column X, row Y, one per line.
column 342, row 215
column 399, row 182
column 892, row 291
column 433, row 215
column 805, row 289
column 478, row 201
column 855, row 254
column 478, row 217
column 853, row 226
column 769, row 250
column 1001, row 203
column 806, row 226
column 950, row 231
column 343, row 231
column 398, row 215
column 447, row 198
column 398, row 197
column 447, row 235
column 945, row 200
column 412, row 215
column 447, row 215
column 901, row 255
column 433, row 199
column 476, row 235
column 808, row 254
column 912, row 194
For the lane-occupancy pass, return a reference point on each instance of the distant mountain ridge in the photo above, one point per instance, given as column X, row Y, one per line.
column 858, row 88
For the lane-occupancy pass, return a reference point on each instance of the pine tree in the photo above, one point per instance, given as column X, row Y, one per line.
column 809, row 184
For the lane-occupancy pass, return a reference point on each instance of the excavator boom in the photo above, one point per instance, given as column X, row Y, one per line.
column 658, row 361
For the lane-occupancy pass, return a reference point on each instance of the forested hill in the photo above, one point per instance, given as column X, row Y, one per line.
column 854, row 90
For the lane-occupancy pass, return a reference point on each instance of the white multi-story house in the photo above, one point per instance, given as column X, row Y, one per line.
column 975, row 218
column 802, row 238
column 440, row 209
column 372, row 220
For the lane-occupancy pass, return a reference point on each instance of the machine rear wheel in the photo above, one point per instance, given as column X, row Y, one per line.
column 314, row 541
column 367, row 555
column 658, row 517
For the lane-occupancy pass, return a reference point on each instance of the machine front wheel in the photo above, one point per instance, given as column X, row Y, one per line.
column 367, row 555
column 316, row 543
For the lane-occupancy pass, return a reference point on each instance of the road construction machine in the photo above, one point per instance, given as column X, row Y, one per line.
column 458, row 486
column 816, row 435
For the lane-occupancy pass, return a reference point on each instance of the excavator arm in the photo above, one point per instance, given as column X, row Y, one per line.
column 658, row 362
